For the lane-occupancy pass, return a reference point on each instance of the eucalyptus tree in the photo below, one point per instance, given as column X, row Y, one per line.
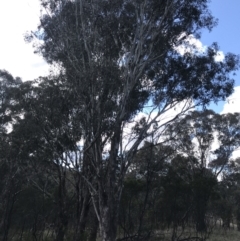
column 140, row 212
column 47, row 137
column 118, row 57
column 229, row 208
column 207, row 137
column 10, row 183
column 208, row 140
column 227, row 131
column 184, row 198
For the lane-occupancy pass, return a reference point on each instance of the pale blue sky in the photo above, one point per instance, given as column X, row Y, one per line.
column 226, row 34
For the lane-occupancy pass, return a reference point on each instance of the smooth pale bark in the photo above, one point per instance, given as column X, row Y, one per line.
column 109, row 217
column 110, row 192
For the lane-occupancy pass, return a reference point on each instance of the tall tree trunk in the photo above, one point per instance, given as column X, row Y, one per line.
column 84, row 201
column 110, row 192
column 7, row 199
column 109, row 199
column 238, row 218
column 83, row 217
column 62, row 222
column 62, row 225
column 7, row 219
column 94, row 229
column 108, row 223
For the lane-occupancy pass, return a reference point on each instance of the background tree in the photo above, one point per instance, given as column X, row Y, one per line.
column 142, row 187
column 11, row 181
column 49, row 141
column 229, row 194
column 208, row 140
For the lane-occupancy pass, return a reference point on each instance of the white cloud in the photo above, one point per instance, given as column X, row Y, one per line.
column 16, row 56
column 219, row 57
column 158, row 122
column 236, row 154
column 195, row 46
column 190, row 45
column 232, row 103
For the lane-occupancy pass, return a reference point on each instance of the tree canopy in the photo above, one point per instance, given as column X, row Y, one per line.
column 113, row 61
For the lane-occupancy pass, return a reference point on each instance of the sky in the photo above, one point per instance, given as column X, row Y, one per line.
column 17, row 17
column 16, row 56
column 227, row 35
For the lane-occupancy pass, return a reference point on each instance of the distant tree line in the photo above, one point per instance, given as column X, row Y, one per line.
column 172, row 185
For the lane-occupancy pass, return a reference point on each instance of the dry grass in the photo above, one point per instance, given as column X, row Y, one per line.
column 222, row 235
column 218, row 234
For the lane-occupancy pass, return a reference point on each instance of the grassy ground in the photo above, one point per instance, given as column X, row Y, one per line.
column 221, row 235
column 218, row 234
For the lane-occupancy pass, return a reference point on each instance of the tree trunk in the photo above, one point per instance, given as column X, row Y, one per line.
column 110, row 189
column 8, row 200
column 84, row 195
column 94, row 229
column 109, row 210
column 238, row 218
column 83, row 217
column 61, row 225
column 62, row 222
column 108, row 224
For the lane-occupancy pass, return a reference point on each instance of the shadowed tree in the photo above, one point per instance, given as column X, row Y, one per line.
column 208, row 140
column 11, row 181
column 115, row 58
